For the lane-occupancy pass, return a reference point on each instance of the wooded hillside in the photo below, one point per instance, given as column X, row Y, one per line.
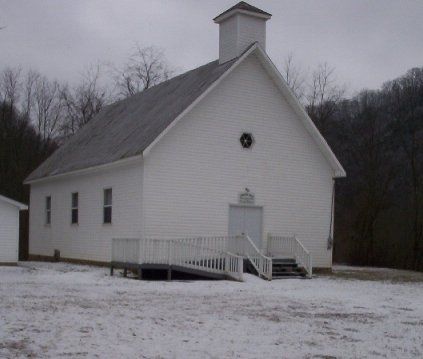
column 378, row 137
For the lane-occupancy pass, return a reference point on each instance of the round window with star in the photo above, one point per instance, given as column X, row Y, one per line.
column 247, row 140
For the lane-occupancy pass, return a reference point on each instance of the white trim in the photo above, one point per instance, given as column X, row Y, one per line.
column 199, row 98
column 105, row 166
column 229, row 14
column 20, row 205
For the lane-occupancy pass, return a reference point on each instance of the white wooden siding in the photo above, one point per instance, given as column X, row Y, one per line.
column 237, row 33
column 228, row 32
column 198, row 168
column 250, row 30
column 90, row 239
column 9, row 233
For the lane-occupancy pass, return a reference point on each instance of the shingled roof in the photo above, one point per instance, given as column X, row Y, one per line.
column 127, row 127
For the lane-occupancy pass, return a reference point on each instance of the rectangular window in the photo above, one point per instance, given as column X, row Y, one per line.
column 48, row 209
column 74, row 208
column 107, row 206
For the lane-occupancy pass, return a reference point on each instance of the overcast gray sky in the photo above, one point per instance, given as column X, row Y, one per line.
column 368, row 42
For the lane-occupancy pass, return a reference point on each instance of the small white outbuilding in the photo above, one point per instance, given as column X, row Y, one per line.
column 9, row 229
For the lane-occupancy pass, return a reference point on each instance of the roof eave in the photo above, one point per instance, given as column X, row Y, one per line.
column 105, row 166
column 218, row 19
column 17, row 204
column 340, row 174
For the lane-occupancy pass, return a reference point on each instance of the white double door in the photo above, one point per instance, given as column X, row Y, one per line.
column 246, row 220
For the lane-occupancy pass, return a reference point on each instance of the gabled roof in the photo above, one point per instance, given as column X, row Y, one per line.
column 125, row 128
column 17, row 204
column 244, row 7
column 131, row 127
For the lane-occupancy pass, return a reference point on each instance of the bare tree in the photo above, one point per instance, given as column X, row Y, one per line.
column 323, row 95
column 294, row 76
column 29, row 84
column 47, row 108
column 10, row 85
column 146, row 67
column 84, row 101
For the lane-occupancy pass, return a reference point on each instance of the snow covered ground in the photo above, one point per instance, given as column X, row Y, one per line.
column 62, row 310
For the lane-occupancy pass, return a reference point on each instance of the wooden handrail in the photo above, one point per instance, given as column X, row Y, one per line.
column 262, row 264
column 290, row 245
column 245, row 247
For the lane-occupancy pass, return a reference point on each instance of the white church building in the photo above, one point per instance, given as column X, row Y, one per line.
column 212, row 168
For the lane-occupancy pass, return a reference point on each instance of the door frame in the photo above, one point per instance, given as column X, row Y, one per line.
column 261, row 248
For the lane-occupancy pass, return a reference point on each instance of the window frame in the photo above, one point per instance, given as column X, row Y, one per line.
column 47, row 219
column 107, row 206
column 75, row 208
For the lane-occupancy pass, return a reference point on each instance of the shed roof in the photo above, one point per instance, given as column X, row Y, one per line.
column 127, row 127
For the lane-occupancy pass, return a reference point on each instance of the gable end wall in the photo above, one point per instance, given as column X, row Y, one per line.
column 198, row 168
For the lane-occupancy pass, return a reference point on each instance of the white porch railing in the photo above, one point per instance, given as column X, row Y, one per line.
column 290, row 246
column 222, row 255
column 244, row 246
column 206, row 254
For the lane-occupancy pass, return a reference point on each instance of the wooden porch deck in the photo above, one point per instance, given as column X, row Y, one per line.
column 212, row 257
